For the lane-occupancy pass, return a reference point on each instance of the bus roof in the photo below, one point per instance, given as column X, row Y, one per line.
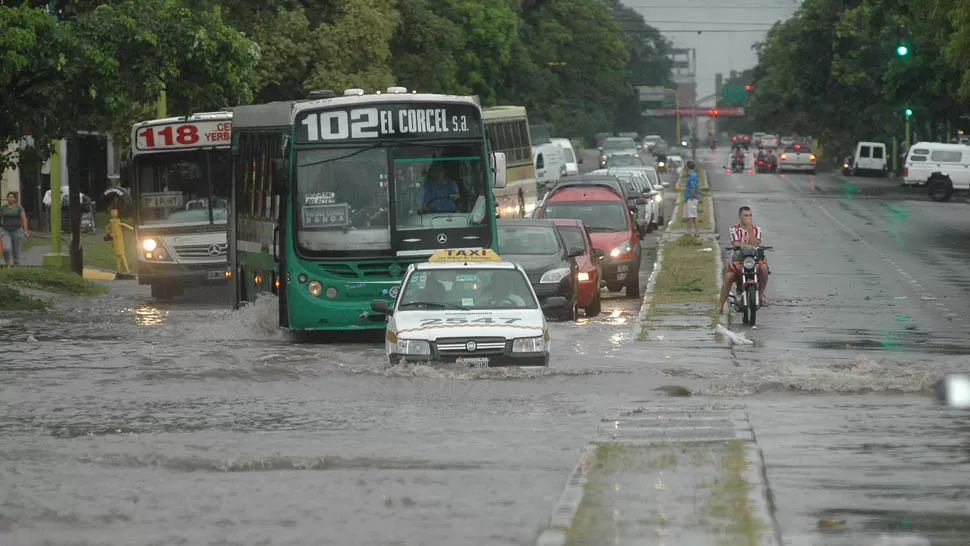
column 282, row 114
column 221, row 115
column 504, row 112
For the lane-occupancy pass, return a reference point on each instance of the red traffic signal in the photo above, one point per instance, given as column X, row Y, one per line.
column 749, row 88
column 712, row 112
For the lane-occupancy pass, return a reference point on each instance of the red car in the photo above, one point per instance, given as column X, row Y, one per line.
column 605, row 213
column 588, row 264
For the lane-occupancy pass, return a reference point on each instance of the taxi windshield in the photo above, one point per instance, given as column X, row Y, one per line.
column 467, row 289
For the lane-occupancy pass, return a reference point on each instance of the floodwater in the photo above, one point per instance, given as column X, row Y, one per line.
column 129, row 422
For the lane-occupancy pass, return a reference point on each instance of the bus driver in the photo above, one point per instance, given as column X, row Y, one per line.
column 441, row 193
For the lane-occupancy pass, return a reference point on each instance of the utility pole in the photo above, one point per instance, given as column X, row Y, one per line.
column 74, row 188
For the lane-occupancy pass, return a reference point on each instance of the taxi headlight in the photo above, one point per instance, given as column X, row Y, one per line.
column 748, row 263
column 528, row 345
column 554, row 275
column 149, row 245
column 583, row 276
column 413, row 347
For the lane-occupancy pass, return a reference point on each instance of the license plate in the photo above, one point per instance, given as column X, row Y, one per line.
column 621, row 276
column 215, row 275
column 622, row 268
column 473, row 362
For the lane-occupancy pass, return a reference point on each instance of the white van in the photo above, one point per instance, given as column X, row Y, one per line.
column 870, row 158
column 950, row 160
column 569, row 154
column 550, row 164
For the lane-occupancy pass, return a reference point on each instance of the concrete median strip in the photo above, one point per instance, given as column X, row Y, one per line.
column 683, row 475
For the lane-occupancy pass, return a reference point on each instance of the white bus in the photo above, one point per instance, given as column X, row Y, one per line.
column 183, row 177
column 508, row 132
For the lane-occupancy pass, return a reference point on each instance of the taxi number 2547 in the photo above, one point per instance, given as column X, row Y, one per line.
column 459, row 320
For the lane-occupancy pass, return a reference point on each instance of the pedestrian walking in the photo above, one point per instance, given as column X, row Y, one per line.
column 13, row 225
column 692, row 191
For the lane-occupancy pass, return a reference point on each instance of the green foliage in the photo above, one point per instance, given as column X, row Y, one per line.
column 50, row 280
column 850, row 83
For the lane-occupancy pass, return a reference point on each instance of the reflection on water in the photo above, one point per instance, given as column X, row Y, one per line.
column 147, row 315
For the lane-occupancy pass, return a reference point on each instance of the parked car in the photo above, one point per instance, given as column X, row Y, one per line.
column 589, row 273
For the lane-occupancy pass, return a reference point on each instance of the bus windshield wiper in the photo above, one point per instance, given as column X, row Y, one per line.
column 436, row 305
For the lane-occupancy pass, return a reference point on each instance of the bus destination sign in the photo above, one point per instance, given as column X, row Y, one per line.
column 189, row 134
column 409, row 121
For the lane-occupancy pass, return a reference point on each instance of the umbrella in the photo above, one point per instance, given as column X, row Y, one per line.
column 119, row 193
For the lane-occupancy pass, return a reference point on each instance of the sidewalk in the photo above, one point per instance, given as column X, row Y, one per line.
column 672, row 474
column 34, row 257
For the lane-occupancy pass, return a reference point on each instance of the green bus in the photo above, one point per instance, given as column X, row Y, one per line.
column 334, row 196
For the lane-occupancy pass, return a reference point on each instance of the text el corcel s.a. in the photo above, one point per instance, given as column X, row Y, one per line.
column 373, row 122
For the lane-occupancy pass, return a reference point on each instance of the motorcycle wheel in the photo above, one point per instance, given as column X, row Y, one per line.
column 751, row 295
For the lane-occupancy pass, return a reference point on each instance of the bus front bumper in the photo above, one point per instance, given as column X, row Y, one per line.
column 202, row 274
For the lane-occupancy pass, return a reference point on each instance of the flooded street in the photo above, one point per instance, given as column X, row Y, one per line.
column 127, row 421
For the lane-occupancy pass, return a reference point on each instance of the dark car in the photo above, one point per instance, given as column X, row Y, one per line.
column 589, row 273
column 539, row 248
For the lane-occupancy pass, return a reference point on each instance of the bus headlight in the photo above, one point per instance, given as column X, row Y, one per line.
column 528, row 344
column 315, row 288
column 413, row 347
column 149, row 245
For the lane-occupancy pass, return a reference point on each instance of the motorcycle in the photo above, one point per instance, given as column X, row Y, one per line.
column 762, row 165
column 737, row 164
column 744, row 294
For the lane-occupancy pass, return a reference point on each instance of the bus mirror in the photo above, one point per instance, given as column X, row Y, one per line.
column 498, row 170
column 280, row 175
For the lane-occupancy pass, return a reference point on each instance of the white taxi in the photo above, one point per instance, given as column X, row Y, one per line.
column 470, row 308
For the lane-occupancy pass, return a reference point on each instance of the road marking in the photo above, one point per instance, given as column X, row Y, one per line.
column 950, row 315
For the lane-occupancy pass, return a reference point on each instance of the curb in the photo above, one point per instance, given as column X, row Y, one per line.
column 759, row 494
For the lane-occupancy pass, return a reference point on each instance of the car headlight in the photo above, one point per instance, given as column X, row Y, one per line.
column 528, row 344
column 623, row 248
column 583, row 276
column 658, row 198
column 413, row 347
column 149, row 245
column 748, row 263
column 554, row 275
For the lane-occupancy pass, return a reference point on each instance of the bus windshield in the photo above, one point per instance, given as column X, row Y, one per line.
column 350, row 199
column 177, row 188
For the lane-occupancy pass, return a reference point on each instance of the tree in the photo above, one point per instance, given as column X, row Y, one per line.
column 424, row 47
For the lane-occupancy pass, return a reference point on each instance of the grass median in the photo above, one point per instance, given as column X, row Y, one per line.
column 50, row 280
column 98, row 253
column 687, row 277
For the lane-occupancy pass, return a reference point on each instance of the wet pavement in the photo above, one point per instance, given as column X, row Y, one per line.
column 129, row 421
column 868, row 309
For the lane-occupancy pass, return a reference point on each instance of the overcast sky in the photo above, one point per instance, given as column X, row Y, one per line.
column 729, row 29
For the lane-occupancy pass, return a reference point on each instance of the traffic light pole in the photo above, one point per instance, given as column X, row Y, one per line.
column 909, row 132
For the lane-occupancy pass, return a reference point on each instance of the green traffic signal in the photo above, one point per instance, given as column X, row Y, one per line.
column 902, row 50
column 909, row 112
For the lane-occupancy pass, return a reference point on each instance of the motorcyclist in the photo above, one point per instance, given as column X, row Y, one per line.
column 772, row 160
column 761, row 157
column 737, row 160
column 744, row 233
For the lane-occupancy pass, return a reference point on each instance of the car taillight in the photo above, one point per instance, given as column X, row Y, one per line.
column 734, row 138
column 784, row 157
column 760, row 162
column 811, row 157
column 905, row 171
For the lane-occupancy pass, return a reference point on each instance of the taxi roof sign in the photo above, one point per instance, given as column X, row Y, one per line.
column 465, row 255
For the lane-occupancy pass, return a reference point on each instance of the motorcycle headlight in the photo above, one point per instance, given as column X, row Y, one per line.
column 660, row 163
column 413, row 347
column 528, row 345
column 554, row 275
column 748, row 263
column 623, row 248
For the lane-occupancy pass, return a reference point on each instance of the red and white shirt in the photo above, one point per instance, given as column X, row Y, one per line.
column 740, row 235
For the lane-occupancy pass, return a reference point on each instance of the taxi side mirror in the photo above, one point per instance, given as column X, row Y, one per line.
column 382, row 307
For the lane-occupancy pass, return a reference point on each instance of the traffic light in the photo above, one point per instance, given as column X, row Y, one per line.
column 902, row 41
column 749, row 88
column 909, row 112
column 712, row 112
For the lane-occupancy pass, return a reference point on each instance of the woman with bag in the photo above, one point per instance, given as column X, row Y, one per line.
column 13, row 227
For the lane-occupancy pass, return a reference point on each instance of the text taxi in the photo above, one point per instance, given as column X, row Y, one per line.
column 468, row 307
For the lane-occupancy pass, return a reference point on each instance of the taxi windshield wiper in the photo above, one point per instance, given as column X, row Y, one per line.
column 436, row 305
